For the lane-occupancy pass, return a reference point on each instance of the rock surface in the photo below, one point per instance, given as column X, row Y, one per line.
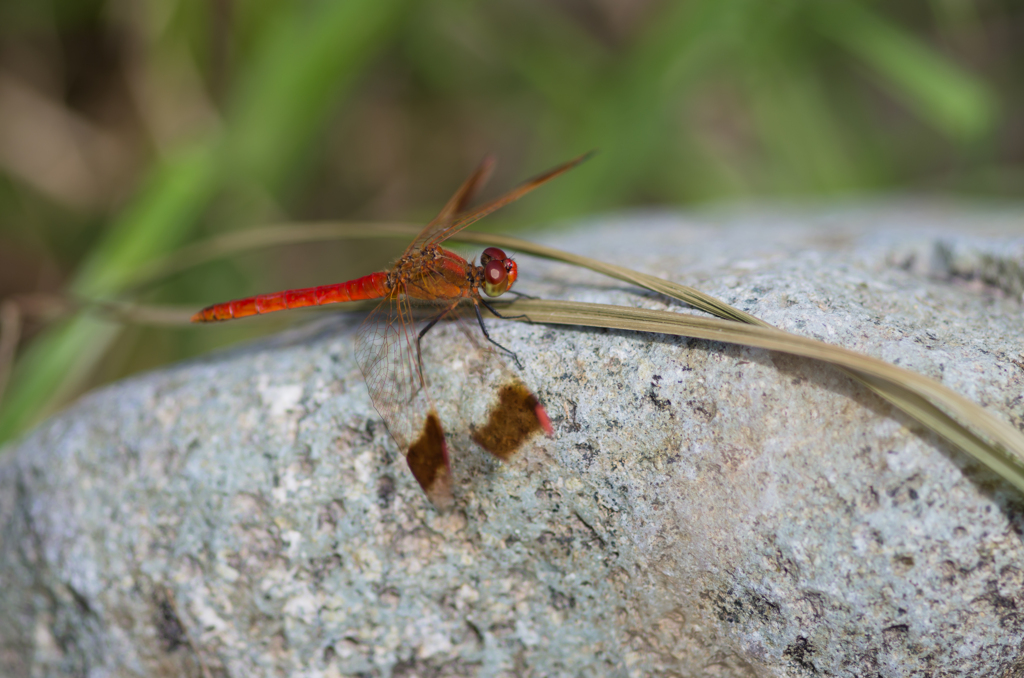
column 703, row 510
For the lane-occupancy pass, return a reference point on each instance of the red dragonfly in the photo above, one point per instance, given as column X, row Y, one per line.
column 388, row 341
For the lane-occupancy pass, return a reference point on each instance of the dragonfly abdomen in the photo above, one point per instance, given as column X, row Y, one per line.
column 373, row 286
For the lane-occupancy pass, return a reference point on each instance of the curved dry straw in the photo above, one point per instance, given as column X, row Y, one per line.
column 965, row 424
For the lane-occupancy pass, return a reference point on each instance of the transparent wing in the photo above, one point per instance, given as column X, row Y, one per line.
column 391, row 374
column 457, row 204
column 502, row 413
column 386, row 352
column 438, row 232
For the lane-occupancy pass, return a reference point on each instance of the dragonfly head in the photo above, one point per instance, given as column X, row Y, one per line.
column 499, row 271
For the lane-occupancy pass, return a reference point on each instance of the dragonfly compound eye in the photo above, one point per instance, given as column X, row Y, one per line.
column 490, row 254
column 496, row 278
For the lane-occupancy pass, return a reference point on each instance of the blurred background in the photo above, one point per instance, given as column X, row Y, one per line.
column 131, row 128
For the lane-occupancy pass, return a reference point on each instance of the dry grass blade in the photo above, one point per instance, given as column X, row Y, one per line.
column 257, row 238
column 970, row 427
column 690, row 295
column 158, row 315
column 10, row 335
column 992, row 441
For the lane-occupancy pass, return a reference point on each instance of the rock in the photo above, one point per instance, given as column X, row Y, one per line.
column 703, row 510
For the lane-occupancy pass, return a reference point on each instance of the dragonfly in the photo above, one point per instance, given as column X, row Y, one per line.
column 388, row 342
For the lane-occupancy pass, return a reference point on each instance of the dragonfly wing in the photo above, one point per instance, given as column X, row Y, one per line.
column 435, row 234
column 501, row 412
column 457, row 204
column 386, row 352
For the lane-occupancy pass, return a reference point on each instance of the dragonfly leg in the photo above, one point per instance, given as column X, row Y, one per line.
column 429, row 325
column 495, row 311
column 483, row 328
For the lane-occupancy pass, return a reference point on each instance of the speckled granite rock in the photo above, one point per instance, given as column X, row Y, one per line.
column 704, row 509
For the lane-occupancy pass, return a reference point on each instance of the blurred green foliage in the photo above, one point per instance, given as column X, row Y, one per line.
column 128, row 129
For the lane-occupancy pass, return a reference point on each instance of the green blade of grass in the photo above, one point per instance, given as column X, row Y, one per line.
column 295, row 79
column 58, row 361
column 952, row 100
column 307, row 62
column 625, row 107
